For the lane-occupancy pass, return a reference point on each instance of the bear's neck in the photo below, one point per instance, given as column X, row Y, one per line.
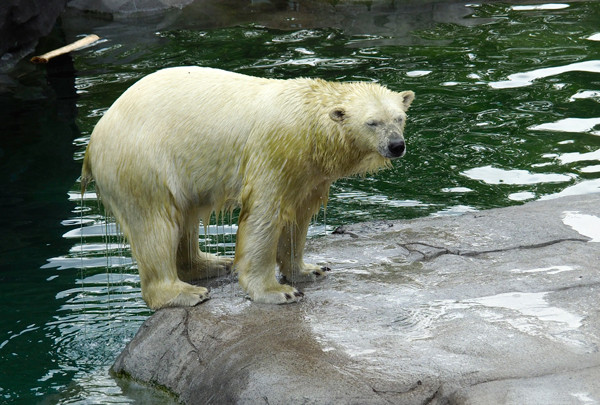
column 337, row 157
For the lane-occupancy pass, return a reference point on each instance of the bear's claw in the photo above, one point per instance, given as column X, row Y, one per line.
column 310, row 273
column 286, row 295
column 188, row 297
column 295, row 297
column 320, row 272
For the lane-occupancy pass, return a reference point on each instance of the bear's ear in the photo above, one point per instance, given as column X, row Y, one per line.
column 337, row 114
column 407, row 98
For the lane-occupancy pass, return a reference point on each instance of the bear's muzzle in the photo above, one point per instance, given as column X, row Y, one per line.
column 396, row 148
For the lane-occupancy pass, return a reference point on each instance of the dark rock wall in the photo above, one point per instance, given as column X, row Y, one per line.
column 127, row 7
column 22, row 23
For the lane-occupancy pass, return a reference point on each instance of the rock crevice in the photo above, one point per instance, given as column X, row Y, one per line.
column 430, row 252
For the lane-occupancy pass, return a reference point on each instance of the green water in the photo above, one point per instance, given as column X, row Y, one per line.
column 492, row 126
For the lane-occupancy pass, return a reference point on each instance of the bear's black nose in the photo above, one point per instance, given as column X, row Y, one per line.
column 396, row 147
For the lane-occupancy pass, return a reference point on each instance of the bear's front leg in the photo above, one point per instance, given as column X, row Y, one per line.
column 255, row 258
column 290, row 249
column 290, row 254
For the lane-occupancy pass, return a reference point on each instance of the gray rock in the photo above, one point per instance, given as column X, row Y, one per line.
column 125, row 7
column 498, row 306
column 22, row 23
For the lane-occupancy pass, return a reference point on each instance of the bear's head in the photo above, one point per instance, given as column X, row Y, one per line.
column 373, row 119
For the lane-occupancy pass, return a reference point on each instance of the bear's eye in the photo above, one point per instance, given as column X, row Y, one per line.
column 399, row 120
column 372, row 123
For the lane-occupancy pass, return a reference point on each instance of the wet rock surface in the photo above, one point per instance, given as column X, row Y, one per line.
column 498, row 306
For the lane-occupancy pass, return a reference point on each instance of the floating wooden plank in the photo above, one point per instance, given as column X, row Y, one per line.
column 90, row 39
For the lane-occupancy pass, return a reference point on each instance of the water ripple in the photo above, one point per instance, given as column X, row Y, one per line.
column 527, row 78
column 585, row 125
column 493, row 175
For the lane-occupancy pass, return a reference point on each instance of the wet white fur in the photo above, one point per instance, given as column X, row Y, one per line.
column 184, row 142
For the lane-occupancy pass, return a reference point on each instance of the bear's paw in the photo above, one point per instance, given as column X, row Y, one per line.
column 205, row 266
column 309, row 272
column 189, row 297
column 283, row 294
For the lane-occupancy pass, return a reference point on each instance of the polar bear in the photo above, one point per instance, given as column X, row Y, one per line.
column 185, row 142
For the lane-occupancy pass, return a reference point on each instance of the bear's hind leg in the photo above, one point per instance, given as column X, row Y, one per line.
column 192, row 263
column 154, row 241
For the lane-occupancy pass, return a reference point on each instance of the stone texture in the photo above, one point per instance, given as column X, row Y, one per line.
column 22, row 23
column 127, row 6
column 498, row 306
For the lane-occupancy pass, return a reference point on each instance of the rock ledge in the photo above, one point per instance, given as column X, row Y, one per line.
column 498, row 306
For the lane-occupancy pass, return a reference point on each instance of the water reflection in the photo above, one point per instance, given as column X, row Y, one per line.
column 418, row 73
column 493, row 175
column 548, row 270
column 550, row 6
column 585, row 125
column 586, row 94
column 528, row 305
column 587, row 225
column 522, row 196
column 527, row 78
column 581, row 188
column 590, row 169
column 572, row 157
